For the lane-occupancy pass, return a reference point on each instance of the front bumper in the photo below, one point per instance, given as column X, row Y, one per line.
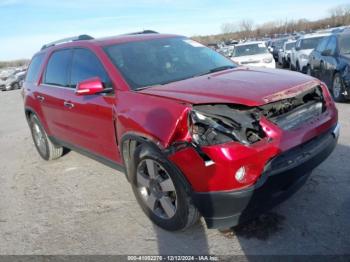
column 303, row 65
column 282, row 176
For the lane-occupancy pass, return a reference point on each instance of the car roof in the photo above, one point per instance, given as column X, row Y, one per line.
column 105, row 41
column 313, row 35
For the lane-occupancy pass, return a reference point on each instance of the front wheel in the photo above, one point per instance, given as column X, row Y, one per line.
column 46, row 149
column 338, row 89
column 308, row 70
column 160, row 191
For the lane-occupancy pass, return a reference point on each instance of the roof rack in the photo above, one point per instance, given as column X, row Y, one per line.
column 143, row 32
column 66, row 40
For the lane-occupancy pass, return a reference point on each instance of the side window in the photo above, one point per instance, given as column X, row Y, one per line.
column 58, row 67
column 86, row 65
column 322, row 45
column 34, row 68
column 332, row 45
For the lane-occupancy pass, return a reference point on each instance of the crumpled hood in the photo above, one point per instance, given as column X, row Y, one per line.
column 242, row 85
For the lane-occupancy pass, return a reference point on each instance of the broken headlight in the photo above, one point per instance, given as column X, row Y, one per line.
column 208, row 130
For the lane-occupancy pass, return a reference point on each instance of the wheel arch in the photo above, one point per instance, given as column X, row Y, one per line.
column 131, row 140
column 28, row 111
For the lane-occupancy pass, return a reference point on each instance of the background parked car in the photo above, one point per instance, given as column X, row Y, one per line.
column 253, row 54
column 303, row 47
column 330, row 62
column 11, row 79
column 284, row 54
column 277, row 46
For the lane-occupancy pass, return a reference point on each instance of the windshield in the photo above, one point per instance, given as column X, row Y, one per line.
column 161, row 61
column 310, row 43
column 344, row 44
column 250, row 49
column 289, row 46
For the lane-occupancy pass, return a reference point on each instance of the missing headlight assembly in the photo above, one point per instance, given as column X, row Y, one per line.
column 220, row 123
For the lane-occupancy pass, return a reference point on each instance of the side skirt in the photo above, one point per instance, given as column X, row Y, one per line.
column 89, row 154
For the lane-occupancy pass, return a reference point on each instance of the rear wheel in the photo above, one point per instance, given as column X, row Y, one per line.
column 15, row 86
column 159, row 190
column 291, row 67
column 338, row 89
column 46, row 149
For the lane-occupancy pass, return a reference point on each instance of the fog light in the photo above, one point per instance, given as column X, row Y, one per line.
column 240, row 174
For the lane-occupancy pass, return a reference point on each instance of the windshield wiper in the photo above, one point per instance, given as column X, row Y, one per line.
column 217, row 69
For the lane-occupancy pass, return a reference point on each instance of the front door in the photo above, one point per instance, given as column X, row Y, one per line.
column 89, row 118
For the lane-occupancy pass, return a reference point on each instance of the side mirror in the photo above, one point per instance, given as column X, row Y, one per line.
column 90, row 86
column 326, row 52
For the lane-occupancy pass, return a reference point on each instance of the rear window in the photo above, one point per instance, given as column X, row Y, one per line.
column 310, row 43
column 58, row 68
column 289, row 46
column 34, row 68
column 250, row 49
column 344, row 44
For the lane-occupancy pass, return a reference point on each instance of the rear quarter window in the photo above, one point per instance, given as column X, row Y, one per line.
column 34, row 68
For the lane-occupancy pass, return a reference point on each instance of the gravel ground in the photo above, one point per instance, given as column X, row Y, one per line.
column 75, row 205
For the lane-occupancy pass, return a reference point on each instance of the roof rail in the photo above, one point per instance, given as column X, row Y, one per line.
column 143, row 32
column 66, row 40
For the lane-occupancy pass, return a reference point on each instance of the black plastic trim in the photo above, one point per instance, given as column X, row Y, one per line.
column 228, row 208
column 89, row 154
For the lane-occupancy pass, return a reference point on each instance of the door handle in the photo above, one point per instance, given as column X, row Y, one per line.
column 40, row 98
column 68, row 104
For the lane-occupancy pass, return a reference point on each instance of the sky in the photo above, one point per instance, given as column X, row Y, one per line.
column 25, row 25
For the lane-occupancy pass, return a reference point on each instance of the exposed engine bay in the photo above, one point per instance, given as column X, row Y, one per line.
column 220, row 123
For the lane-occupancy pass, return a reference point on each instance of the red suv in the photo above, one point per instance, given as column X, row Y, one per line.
column 194, row 133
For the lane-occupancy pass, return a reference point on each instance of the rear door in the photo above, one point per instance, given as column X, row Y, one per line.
column 53, row 89
column 316, row 57
column 88, row 119
column 330, row 62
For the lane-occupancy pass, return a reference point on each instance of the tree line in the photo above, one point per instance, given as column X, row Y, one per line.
column 14, row 63
column 245, row 29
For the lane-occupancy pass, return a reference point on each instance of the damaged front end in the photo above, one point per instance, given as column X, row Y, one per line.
column 292, row 112
column 230, row 145
column 221, row 123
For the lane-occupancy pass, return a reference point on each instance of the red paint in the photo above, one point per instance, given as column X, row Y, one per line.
column 160, row 114
column 89, row 87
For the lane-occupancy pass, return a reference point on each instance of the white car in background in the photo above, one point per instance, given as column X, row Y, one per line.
column 299, row 58
column 253, row 54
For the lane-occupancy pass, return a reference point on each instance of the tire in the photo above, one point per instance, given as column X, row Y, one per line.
column 46, row 149
column 308, row 70
column 160, row 190
column 284, row 63
column 338, row 89
column 297, row 67
column 291, row 67
column 15, row 86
